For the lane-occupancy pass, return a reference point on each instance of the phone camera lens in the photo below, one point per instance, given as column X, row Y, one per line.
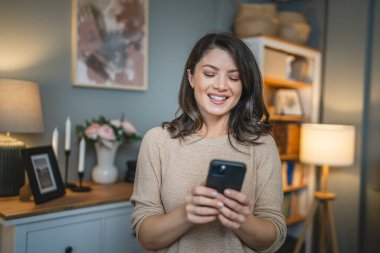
column 219, row 170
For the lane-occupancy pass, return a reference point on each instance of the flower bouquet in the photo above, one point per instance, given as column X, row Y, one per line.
column 106, row 135
column 106, row 132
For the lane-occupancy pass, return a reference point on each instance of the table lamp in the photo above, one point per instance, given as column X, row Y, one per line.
column 325, row 145
column 20, row 112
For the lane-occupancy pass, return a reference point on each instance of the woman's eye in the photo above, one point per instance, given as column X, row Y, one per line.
column 209, row 74
column 234, row 79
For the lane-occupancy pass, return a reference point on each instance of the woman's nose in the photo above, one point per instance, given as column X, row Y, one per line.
column 220, row 83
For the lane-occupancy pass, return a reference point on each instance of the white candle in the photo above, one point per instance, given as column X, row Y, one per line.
column 82, row 149
column 54, row 142
column 67, row 134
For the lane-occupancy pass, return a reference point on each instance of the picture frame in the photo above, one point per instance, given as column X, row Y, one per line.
column 110, row 44
column 288, row 102
column 43, row 173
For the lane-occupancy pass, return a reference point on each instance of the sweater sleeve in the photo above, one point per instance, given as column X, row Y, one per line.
column 146, row 190
column 269, row 197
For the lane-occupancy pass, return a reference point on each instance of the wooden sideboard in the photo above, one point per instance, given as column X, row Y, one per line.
column 95, row 221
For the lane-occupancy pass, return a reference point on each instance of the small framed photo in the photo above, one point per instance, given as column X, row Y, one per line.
column 288, row 102
column 43, row 173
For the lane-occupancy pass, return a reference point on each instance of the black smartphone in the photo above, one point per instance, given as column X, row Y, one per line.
column 225, row 174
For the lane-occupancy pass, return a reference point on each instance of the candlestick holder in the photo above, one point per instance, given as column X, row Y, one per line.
column 67, row 155
column 80, row 187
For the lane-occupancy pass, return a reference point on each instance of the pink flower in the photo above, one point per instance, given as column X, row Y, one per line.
column 106, row 132
column 128, row 127
column 92, row 131
column 116, row 122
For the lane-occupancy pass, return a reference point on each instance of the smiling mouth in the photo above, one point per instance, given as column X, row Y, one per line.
column 218, row 98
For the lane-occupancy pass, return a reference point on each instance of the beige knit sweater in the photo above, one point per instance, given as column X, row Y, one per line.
column 167, row 168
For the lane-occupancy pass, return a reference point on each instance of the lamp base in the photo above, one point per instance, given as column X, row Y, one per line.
column 12, row 175
column 323, row 201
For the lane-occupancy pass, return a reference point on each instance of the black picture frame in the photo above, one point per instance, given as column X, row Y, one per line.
column 43, row 173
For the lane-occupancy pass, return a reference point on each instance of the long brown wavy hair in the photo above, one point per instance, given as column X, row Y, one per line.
column 249, row 119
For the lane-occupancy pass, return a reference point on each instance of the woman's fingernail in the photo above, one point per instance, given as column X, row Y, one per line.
column 227, row 192
column 214, row 194
column 220, row 204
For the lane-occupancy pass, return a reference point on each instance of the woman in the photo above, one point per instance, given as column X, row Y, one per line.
column 222, row 116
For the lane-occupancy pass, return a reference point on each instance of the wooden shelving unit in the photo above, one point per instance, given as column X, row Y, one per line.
column 288, row 66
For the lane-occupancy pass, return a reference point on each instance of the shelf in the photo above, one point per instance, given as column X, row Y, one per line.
column 276, row 117
column 283, row 83
column 294, row 219
column 289, row 157
column 285, row 67
column 295, row 188
column 279, row 44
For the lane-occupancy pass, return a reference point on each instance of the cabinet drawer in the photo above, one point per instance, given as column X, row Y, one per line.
column 81, row 237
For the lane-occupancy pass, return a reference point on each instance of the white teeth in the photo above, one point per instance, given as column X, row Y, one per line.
column 217, row 98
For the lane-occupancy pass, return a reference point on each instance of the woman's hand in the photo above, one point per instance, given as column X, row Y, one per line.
column 203, row 204
column 236, row 208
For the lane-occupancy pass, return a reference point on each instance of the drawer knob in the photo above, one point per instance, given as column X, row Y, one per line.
column 69, row 249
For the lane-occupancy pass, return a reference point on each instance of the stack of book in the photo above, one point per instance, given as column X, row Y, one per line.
column 295, row 181
column 287, row 138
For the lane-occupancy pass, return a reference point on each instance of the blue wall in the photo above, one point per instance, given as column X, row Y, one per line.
column 35, row 44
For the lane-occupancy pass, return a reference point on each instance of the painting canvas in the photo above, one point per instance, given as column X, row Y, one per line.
column 109, row 44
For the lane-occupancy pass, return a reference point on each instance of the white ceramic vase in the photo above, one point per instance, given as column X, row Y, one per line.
column 105, row 171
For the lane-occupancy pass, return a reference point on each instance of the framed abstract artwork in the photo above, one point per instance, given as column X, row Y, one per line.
column 43, row 173
column 109, row 44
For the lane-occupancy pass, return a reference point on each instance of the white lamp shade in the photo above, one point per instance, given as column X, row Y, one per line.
column 324, row 144
column 20, row 107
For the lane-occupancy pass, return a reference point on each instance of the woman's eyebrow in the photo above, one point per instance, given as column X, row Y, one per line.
column 216, row 68
column 211, row 66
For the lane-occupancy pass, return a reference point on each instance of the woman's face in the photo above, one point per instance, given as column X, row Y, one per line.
column 216, row 83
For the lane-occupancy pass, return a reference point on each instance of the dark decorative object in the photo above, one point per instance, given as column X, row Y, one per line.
column 131, row 171
column 43, row 173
